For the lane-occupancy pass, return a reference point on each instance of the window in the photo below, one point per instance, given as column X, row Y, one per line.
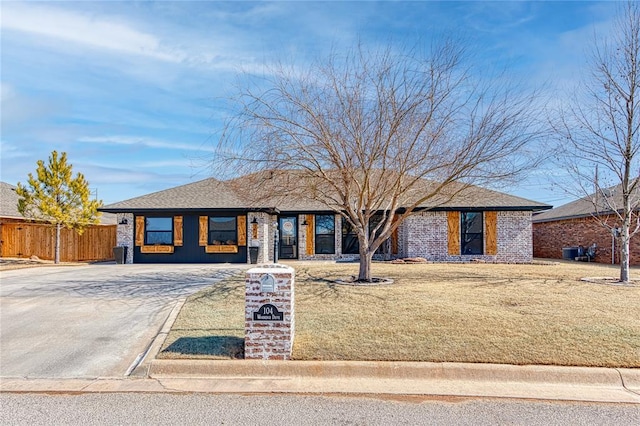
column 158, row 231
column 350, row 243
column 325, row 234
column 223, row 231
column 471, row 241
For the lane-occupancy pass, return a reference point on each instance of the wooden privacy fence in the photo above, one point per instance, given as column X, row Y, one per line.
column 34, row 239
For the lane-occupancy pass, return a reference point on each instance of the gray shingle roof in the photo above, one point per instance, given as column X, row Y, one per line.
column 608, row 200
column 204, row 194
column 214, row 194
column 458, row 196
column 9, row 201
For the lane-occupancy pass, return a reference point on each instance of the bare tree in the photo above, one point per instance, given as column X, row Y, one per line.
column 600, row 131
column 380, row 133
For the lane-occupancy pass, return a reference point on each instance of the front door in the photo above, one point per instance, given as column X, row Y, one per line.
column 288, row 237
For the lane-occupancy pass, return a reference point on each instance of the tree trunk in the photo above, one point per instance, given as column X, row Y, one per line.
column 57, row 255
column 365, row 265
column 624, row 252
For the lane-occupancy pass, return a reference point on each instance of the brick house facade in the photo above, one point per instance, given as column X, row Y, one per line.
column 426, row 234
column 183, row 224
column 579, row 223
column 550, row 237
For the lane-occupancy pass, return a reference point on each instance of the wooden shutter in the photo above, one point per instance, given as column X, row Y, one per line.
column 491, row 232
column 242, row 230
column 203, row 230
column 156, row 249
column 139, row 231
column 177, row 230
column 394, row 237
column 453, row 234
column 311, row 248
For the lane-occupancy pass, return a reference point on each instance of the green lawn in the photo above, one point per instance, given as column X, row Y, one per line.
column 513, row 314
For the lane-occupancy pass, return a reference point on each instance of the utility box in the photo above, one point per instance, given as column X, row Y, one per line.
column 569, row 253
column 269, row 312
column 253, row 254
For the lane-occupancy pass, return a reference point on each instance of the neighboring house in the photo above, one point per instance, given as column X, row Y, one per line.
column 572, row 225
column 209, row 221
column 26, row 237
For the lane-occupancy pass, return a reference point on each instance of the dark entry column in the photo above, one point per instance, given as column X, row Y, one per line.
column 288, row 226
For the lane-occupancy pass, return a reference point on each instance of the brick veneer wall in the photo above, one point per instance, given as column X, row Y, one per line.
column 264, row 240
column 269, row 339
column 550, row 237
column 515, row 237
column 425, row 235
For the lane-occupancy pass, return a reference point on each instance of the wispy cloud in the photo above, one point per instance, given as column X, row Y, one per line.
column 85, row 29
column 145, row 141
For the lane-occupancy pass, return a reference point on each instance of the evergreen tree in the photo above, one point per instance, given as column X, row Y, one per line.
column 57, row 197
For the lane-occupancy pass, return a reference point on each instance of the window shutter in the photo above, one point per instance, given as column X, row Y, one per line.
column 453, row 235
column 491, row 232
column 203, row 230
column 394, row 237
column 177, row 230
column 311, row 249
column 242, row 230
column 139, row 231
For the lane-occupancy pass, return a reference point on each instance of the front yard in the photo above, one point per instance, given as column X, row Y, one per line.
column 512, row 314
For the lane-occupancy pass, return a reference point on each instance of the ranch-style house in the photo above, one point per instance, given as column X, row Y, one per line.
column 211, row 222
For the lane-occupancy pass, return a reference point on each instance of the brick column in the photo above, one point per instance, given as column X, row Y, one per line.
column 269, row 316
column 260, row 236
column 124, row 234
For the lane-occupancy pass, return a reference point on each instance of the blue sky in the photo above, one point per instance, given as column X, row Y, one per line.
column 134, row 91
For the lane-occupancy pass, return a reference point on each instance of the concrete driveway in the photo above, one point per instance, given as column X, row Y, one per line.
column 89, row 321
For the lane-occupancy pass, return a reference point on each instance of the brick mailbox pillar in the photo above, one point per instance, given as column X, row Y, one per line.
column 269, row 319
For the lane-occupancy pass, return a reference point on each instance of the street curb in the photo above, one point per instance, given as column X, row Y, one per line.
column 375, row 379
column 402, row 378
column 630, row 379
column 143, row 368
column 385, row 370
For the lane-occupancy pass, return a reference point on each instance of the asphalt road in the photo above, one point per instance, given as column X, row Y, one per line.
column 89, row 321
column 192, row 409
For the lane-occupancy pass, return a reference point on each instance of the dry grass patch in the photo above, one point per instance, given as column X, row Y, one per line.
column 210, row 324
column 513, row 314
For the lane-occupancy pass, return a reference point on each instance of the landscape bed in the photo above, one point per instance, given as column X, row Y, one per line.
column 489, row 313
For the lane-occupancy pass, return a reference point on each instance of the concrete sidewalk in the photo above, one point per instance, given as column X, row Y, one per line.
column 361, row 378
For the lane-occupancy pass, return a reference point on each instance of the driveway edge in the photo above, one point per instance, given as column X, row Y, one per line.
column 144, row 365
